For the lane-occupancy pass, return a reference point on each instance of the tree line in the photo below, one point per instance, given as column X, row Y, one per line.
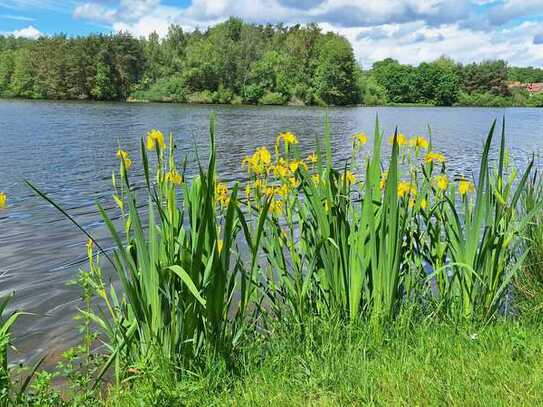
column 445, row 82
column 236, row 62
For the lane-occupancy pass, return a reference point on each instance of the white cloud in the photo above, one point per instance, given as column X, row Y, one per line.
column 511, row 9
column 28, row 32
column 513, row 44
column 95, row 12
column 408, row 30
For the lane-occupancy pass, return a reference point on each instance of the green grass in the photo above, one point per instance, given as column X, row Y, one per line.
column 432, row 364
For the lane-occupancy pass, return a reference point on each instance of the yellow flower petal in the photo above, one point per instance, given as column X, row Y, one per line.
column 3, row 200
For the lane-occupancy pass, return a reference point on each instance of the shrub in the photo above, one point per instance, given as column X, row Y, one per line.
column 272, row 98
column 202, row 97
column 171, row 89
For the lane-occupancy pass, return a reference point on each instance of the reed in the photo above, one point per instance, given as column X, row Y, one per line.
column 6, row 322
column 364, row 249
column 529, row 282
column 200, row 267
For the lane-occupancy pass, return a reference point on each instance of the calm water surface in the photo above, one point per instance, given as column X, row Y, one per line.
column 68, row 150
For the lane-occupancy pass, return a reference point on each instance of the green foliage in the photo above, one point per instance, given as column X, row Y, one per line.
column 335, row 364
column 234, row 62
column 395, row 78
column 103, row 67
column 272, row 98
column 371, row 93
column 335, row 81
column 6, row 322
column 169, row 89
column 444, row 83
column 482, row 99
column 486, row 77
column 103, row 89
column 529, row 283
column 7, row 66
column 268, row 77
column 525, row 75
column 481, row 240
column 201, row 97
column 178, row 271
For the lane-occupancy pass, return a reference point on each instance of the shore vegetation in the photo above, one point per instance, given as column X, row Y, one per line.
column 384, row 280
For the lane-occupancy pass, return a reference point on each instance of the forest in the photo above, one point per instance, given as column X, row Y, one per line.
column 240, row 63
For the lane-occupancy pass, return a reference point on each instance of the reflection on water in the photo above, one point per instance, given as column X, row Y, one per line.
column 67, row 149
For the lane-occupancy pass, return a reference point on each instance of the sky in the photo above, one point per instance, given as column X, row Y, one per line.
column 411, row 31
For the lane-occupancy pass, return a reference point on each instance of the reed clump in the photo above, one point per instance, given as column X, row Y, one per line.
column 203, row 265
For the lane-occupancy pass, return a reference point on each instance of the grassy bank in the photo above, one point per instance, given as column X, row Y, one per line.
column 431, row 364
column 386, row 281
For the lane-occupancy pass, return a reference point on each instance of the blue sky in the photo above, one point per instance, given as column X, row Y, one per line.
column 409, row 30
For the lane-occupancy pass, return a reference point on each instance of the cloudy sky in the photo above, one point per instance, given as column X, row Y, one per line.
column 408, row 30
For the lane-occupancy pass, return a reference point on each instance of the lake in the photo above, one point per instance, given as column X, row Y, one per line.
column 68, row 149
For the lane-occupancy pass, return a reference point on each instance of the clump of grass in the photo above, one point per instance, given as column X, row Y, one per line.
column 322, row 244
column 338, row 364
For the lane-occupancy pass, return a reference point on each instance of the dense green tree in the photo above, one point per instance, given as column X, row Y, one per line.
column 268, row 75
column 103, row 88
column 7, row 65
column 397, row 79
column 435, row 82
column 371, row 93
column 525, row 75
column 24, row 74
column 335, row 80
column 486, row 77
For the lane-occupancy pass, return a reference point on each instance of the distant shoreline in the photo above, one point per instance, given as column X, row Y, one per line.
column 172, row 102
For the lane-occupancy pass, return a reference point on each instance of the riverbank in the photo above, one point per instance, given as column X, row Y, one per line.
column 237, row 102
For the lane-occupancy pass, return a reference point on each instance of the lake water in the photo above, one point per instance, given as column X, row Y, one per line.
column 67, row 149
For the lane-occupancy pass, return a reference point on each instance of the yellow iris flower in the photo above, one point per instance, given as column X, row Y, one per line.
column 282, row 169
column 406, row 189
column 465, row 186
column 287, row 137
column 401, row 139
column 123, row 155
column 221, row 192
column 174, row 177
column 434, row 157
column 312, row 158
column 383, row 180
column 441, row 182
column 276, row 207
column 360, row 138
column 282, row 190
column 349, row 178
column 155, row 137
column 419, row 142
column 423, row 203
